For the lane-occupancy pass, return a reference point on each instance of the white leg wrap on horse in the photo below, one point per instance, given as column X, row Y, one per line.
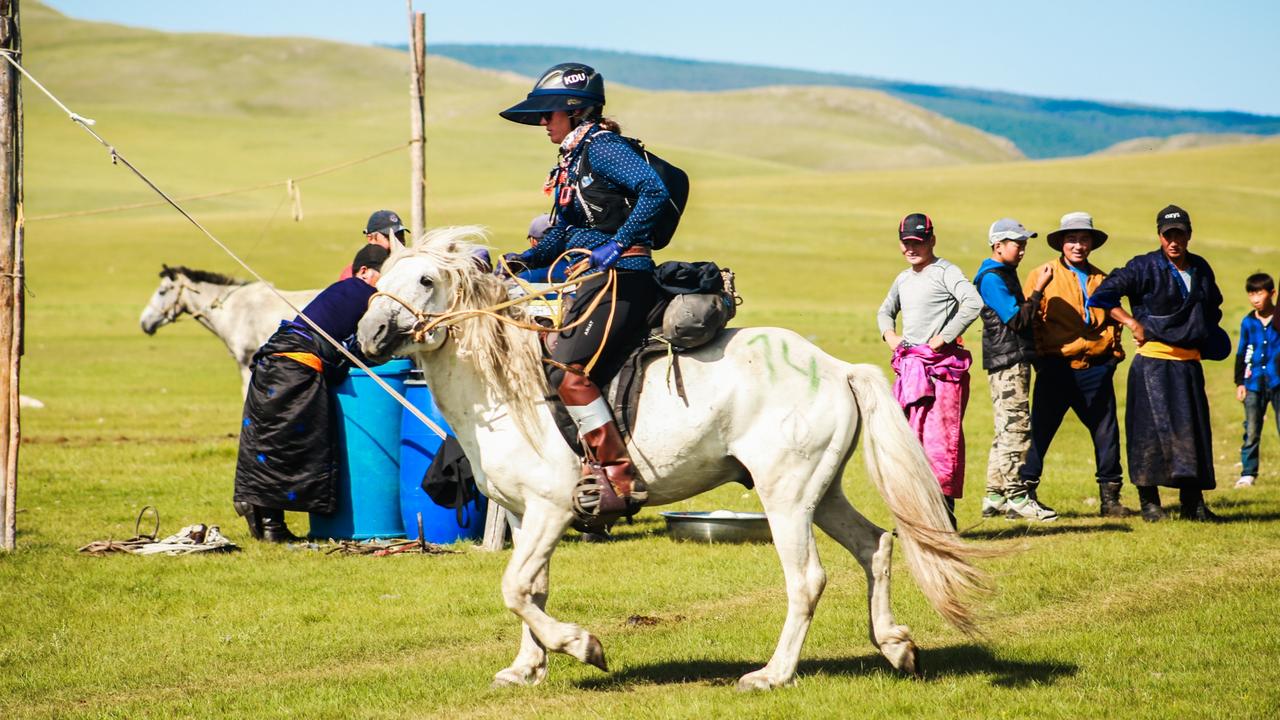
column 591, row 416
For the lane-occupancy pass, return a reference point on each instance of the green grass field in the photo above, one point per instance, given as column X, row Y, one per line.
column 1092, row 617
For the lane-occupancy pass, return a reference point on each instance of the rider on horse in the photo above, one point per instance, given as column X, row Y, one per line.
column 619, row 291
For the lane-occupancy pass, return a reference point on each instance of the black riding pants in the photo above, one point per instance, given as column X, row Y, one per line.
column 637, row 297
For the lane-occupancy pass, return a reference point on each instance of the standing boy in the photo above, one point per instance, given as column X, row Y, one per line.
column 1008, row 347
column 937, row 303
column 1257, row 372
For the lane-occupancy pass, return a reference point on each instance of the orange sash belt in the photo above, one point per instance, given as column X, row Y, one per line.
column 1162, row 351
column 311, row 360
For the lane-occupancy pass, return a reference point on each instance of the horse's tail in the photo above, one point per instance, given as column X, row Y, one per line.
column 939, row 560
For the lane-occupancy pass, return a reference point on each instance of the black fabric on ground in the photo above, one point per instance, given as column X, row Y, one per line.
column 288, row 443
column 1167, row 427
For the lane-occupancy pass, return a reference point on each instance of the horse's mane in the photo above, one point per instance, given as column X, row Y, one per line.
column 506, row 356
column 200, row 275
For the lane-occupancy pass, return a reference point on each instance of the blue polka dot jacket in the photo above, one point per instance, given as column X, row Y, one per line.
column 613, row 161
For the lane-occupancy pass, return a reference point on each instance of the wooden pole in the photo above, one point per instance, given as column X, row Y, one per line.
column 417, row 121
column 11, row 268
column 495, row 528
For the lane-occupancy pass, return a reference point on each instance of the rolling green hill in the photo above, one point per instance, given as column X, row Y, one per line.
column 1185, row 141
column 1040, row 127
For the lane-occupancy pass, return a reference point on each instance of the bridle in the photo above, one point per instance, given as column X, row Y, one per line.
column 427, row 322
column 179, row 305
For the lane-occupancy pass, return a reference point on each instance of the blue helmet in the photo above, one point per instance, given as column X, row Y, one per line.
column 567, row 87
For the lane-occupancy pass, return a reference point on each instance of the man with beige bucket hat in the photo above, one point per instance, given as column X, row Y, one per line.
column 1077, row 350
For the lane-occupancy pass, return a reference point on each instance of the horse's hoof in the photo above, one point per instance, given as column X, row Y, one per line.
column 514, row 677
column 904, row 656
column 760, row 680
column 595, row 654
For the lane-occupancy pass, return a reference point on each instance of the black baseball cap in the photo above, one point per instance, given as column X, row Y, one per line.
column 370, row 256
column 1172, row 217
column 916, row 226
column 385, row 222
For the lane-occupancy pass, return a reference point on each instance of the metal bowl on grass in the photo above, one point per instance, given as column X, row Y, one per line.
column 720, row 526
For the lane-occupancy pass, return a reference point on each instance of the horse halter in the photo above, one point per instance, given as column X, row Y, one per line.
column 175, row 309
column 426, row 321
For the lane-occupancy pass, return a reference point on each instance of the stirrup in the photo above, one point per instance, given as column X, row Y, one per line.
column 597, row 505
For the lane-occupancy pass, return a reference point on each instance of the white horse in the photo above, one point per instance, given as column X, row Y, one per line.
column 762, row 403
column 242, row 314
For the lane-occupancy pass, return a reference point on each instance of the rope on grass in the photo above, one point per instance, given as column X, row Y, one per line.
column 118, row 158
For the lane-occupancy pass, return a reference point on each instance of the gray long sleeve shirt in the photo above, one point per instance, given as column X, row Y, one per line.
column 937, row 300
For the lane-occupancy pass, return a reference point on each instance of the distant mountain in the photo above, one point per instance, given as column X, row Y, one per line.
column 1040, row 127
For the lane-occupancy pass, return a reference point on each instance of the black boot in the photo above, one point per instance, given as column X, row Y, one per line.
column 1193, row 507
column 251, row 516
column 1150, row 499
column 1109, row 501
column 273, row 527
column 951, row 511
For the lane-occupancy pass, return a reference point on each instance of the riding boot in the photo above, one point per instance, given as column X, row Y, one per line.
column 1150, row 499
column 951, row 511
column 1109, row 501
column 609, row 487
column 251, row 516
column 273, row 527
column 1193, row 506
column 605, row 445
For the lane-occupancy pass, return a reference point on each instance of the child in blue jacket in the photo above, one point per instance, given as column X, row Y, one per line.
column 1257, row 373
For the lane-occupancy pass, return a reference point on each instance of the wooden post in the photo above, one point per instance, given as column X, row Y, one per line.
column 495, row 528
column 11, row 268
column 417, row 121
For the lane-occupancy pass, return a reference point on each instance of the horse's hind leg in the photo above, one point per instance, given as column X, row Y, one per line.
column 524, row 589
column 791, row 523
column 873, row 548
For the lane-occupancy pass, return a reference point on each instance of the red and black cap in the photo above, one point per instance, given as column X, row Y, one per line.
column 1172, row 217
column 567, row 87
column 916, row 226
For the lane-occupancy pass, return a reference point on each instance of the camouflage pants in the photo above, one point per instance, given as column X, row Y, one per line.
column 1010, row 393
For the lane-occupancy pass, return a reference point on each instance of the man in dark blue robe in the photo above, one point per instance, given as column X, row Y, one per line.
column 1176, row 307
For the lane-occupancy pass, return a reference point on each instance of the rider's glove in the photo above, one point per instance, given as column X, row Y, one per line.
column 604, row 257
column 514, row 263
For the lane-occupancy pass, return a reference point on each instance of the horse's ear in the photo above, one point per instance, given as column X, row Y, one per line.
column 165, row 270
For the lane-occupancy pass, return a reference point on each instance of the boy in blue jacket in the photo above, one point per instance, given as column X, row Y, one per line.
column 1257, row 373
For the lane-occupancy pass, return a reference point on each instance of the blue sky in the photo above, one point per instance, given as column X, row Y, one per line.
column 1178, row 53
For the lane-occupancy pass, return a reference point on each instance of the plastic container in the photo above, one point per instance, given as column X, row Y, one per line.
column 418, row 447
column 368, row 457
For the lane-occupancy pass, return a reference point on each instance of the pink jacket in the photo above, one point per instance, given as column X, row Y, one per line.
column 933, row 389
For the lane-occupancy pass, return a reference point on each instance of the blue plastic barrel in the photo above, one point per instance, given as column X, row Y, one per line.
column 418, row 447
column 368, row 457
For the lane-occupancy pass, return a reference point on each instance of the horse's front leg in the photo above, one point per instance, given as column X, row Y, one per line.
column 524, row 589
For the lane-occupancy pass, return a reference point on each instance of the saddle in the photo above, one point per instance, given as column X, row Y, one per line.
column 622, row 391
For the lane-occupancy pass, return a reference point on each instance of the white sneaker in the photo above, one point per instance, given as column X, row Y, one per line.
column 1026, row 508
column 993, row 505
column 1245, row 481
